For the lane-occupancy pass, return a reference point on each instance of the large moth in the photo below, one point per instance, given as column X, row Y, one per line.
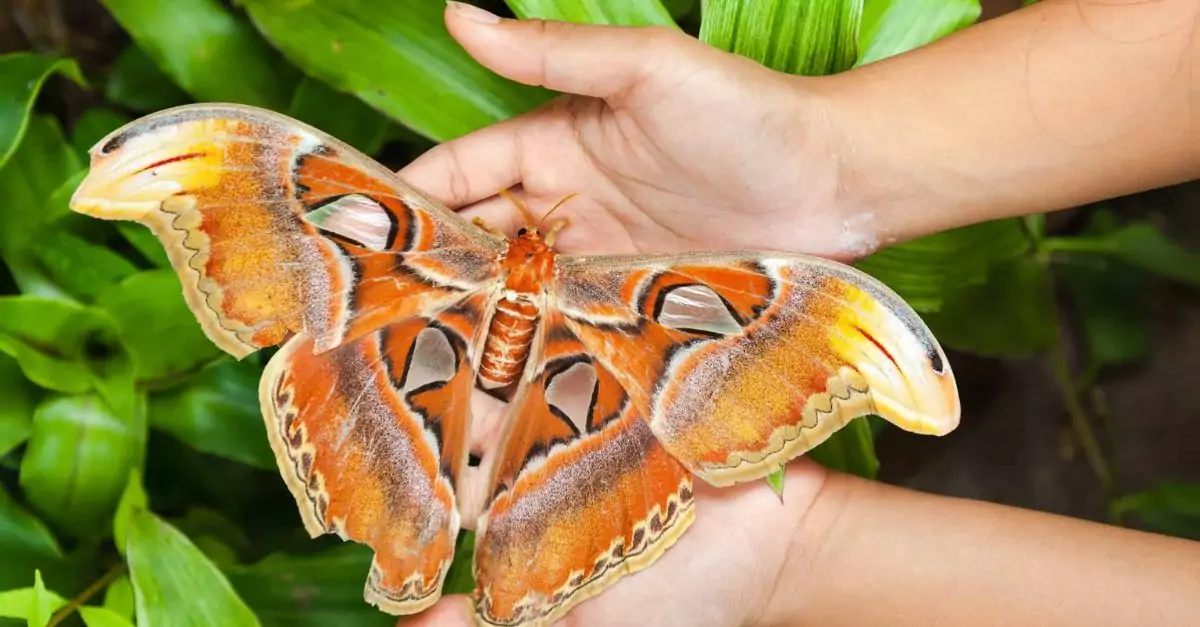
column 629, row 375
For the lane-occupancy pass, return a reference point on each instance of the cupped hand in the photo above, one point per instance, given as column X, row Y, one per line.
column 669, row 144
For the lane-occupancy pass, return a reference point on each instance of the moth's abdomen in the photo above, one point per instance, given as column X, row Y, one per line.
column 509, row 338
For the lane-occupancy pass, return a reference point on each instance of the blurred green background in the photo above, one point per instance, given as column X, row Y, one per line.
column 136, row 484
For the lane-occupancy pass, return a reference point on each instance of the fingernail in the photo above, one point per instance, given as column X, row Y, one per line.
column 473, row 13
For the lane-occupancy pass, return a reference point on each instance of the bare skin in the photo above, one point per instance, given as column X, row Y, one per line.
column 672, row 145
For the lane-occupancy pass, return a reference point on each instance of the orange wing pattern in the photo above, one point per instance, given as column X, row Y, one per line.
column 275, row 227
column 371, row 437
column 745, row 361
column 581, row 493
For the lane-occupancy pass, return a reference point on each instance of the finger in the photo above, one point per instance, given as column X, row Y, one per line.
column 589, row 60
column 472, row 167
column 453, row 610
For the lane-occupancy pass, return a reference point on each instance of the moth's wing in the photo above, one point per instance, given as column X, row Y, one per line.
column 581, row 493
column 274, row 227
column 371, row 438
column 743, row 361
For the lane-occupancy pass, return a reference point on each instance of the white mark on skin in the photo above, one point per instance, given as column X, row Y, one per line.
column 857, row 238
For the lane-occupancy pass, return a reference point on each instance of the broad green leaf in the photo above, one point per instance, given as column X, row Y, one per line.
column 138, row 84
column 851, row 449
column 43, row 603
column 40, row 165
column 460, row 579
column 60, row 345
column 397, row 57
column 341, row 115
column 1110, row 300
column 21, row 533
column 218, row 413
column 17, row 399
column 890, row 27
column 208, row 50
column 77, row 267
column 1171, row 508
column 58, row 204
column 77, row 462
column 145, row 243
column 809, row 37
column 1011, row 315
column 133, row 500
column 309, row 590
column 118, row 597
column 93, row 126
column 610, row 12
column 170, row 573
column 157, row 327
column 926, row 270
column 21, row 77
column 1143, row 246
column 17, row 603
column 102, row 617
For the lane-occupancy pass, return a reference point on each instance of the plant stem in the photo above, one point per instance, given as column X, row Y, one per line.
column 78, row 600
column 1079, row 420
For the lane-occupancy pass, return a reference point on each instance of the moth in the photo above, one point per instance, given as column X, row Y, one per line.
column 630, row 376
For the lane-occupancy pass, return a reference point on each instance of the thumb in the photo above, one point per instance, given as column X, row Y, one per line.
column 589, row 60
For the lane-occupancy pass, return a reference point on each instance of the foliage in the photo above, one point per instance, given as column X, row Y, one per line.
column 134, row 470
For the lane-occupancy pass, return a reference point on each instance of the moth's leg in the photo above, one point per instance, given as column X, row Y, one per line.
column 552, row 234
column 478, row 221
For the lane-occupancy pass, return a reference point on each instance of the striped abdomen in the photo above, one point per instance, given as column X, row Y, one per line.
column 509, row 338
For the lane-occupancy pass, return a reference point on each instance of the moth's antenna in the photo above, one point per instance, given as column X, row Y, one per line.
column 555, row 208
column 520, row 206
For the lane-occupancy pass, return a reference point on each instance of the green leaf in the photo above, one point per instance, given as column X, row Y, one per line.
column 1110, row 299
column 138, row 84
column 775, row 480
column 218, row 413
column 1171, row 508
column 21, row 533
column 77, row 462
column 310, row 590
column 133, row 500
column 461, row 577
column 1011, row 315
column 102, row 617
column 610, row 12
column 170, row 573
column 93, row 126
column 145, row 243
column 850, row 449
column 890, row 27
column 40, row 165
column 1143, row 246
column 43, row 604
column 208, row 50
column 395, row 56
column 157, row 327
column 17, row 399
column 118, row 597
column 341, row 115
column 924, row 271
column 18, row 603
column 60, row 345
column 21, row 77
column 58, row 203
column 77, row 267
column 809, row 37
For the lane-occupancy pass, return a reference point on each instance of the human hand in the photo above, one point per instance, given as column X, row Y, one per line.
column 669, row 143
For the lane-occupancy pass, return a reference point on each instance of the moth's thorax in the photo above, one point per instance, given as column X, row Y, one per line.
column 528, row 265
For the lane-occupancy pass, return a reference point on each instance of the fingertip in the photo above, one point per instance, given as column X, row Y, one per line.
column 450, row 611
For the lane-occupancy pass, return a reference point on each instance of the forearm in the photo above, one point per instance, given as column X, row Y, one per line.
column 873, row 554
column 1052, row 106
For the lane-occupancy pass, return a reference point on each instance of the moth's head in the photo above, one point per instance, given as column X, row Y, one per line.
column 138, row 166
